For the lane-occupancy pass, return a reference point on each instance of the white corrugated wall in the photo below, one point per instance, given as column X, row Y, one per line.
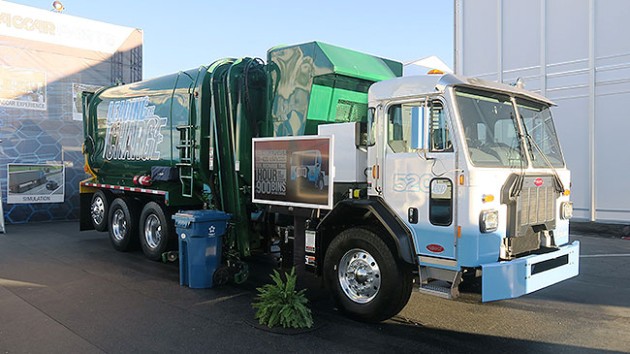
column 577, row 53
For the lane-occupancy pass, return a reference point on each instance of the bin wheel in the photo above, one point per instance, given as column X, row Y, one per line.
column 242, row 273
column 155, row 231
column 123, row 226
column 221, row 276
column 170, row 256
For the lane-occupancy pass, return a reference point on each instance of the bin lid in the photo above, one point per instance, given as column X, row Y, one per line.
column 188, row 216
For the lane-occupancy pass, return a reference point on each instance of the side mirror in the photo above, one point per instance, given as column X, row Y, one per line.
column 418, row 128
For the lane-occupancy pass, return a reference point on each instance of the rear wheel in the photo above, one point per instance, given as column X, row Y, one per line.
column 123, row 221
column 364, row 277
column 99, row 210
column 155, row 231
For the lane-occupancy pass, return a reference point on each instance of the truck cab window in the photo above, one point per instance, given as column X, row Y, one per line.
column 371, row 127
column 439, row 137
column 490, row 129
column 441, row 202
column 399, row 127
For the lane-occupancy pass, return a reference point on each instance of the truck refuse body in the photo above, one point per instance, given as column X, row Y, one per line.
column 329, row 158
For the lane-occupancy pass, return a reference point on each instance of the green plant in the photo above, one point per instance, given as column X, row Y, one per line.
column 280, row 304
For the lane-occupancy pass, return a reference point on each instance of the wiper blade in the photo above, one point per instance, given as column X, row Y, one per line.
column 518, row 185
column 558, row 183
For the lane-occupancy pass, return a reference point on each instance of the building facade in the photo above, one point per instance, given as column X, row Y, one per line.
column 48, row 59
column 575, row 53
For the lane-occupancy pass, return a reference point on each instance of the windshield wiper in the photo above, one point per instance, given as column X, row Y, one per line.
column 518, row 184
column 558, row 183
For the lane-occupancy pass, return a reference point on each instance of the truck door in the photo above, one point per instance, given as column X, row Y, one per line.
column 419, row 184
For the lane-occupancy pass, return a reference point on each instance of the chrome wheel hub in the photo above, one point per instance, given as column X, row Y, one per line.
column 119, row 225
column 153, row 231
column 98, row 211
column 359, row 276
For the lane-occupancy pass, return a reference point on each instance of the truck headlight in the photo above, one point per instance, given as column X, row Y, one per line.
column 566, row 210
column 489, row 221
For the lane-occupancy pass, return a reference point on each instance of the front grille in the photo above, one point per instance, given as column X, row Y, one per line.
column 536, row 205
column 531, row 202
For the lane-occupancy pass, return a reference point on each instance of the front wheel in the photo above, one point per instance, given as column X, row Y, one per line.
column 364, row 277
column 155, row 231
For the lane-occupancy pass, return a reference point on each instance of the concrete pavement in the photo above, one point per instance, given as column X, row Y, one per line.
column 62, row 291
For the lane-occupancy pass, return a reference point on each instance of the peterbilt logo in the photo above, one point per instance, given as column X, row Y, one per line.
column 538, row 182
column 435, row 248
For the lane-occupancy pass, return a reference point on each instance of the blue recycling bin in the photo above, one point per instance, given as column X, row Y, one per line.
column 199, row 233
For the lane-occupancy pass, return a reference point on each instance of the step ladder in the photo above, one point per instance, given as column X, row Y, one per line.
column 439, row 282
column 186, row 149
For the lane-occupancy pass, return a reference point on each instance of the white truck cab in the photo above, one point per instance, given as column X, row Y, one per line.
column 475, row 172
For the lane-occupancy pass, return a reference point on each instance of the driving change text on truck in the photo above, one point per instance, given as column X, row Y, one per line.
column 403, row 182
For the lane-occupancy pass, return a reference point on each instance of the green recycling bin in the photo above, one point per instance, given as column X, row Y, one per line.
column 199, row 233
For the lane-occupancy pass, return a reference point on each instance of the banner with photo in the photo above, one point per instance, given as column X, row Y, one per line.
column 22, row 88
column 42, row 183
column 293, row 171
column 47, row 60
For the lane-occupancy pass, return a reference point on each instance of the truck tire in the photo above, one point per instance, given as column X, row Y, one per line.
column 123, row 225
column 364, row 277
column 99, row 211
column 155, row 231
column 320, row 183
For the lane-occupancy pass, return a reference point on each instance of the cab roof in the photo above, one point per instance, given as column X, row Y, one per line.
column 410, row 86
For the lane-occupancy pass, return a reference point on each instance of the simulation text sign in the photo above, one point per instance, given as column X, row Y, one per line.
column 41, row 183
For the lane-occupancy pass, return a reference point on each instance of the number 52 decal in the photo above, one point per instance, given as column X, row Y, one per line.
column 410, row 182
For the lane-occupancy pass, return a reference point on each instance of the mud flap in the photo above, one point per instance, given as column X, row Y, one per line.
column 85, row 221
column 510, row 279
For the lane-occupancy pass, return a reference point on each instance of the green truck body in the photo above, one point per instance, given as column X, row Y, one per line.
column 184, row 141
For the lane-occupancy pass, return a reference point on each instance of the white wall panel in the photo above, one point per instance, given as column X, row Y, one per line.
column 612, row 157
column 481, row 51
column 521, row 34
column 567, row 30
column 613, row 26
column 572, row 126
column 575, row 52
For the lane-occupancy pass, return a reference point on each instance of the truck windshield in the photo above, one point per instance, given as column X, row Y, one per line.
column 541, row 134
column 490, row 127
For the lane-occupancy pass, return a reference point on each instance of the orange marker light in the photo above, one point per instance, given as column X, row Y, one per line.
column 375, row 171
column 566, row 193
column 461, row 180
column 459, row 232
column 487, row 198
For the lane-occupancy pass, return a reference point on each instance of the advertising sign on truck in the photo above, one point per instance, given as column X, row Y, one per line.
column 293, row 171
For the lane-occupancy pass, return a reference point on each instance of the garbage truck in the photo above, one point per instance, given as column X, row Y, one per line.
column 431, row 180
